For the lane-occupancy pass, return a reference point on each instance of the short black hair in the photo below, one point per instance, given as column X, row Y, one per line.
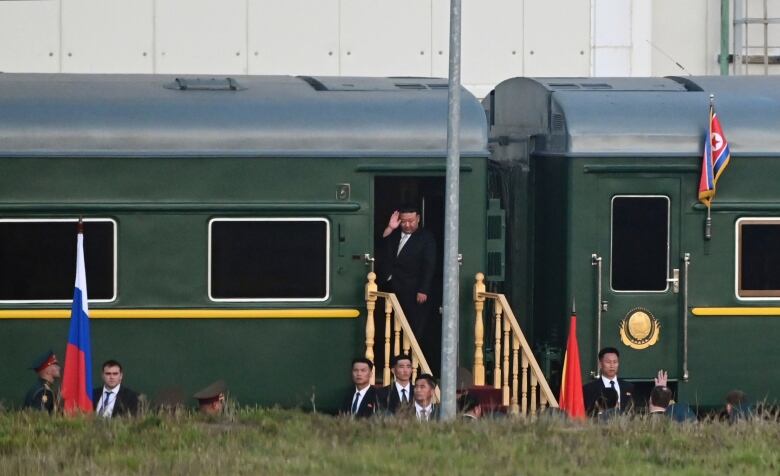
column 363, row 360
column 467, row 402
column 409, row 208
column 111, row 363
column 608, row 350
column 428, row 378
column 661, row 396
column 399, row 357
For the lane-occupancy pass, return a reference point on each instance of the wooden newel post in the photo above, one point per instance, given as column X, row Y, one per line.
column 371, row 289
column 479, row 330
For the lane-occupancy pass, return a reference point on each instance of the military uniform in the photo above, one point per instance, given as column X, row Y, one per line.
column 41, row 397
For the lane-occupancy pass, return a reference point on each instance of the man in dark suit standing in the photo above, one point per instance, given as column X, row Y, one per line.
column 595, row 391
column 410, row 261
column 363, row 400
column 114, row 399
column 397, row 397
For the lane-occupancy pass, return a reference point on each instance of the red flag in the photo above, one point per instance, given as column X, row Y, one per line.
column 572, row 401
column 715, row 158
column 77, row 378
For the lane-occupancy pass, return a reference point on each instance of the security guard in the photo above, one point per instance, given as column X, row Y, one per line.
column 211, row 400
column 42, row 396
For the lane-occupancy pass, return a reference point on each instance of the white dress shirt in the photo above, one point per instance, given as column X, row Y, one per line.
column 106, row 408
column 418, row 409
column 402, row 242
column 408, row 388
column 362, row 393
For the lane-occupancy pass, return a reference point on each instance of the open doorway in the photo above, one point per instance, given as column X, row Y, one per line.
column 426, row 193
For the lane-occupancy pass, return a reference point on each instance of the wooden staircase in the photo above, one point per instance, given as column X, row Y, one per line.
column 519, row 386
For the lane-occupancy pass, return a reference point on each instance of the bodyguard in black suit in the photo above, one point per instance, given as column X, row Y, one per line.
column 410, row 264
column 114, row 399
column 363, row 400
column 595, row 392
column 397, row 397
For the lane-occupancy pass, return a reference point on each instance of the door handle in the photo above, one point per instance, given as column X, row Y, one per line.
column 675, row 280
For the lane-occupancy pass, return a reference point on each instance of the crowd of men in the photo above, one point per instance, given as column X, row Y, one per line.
column 113, row 399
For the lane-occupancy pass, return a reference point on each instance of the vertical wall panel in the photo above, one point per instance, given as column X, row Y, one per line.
column 107, row 36
column 492, row 41
column 30, row 37
column 201, row 36
column 557, row 38
column 386, row 37
column 294, row 37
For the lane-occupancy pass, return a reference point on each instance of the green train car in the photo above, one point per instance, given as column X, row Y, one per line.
column 600, row 181
column 226, row 222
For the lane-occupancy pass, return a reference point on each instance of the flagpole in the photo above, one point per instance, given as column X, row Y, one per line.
column 708, row 220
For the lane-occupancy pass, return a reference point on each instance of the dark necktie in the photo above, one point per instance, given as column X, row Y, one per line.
column 104, row 408
column 355, row 403
column 404, row 398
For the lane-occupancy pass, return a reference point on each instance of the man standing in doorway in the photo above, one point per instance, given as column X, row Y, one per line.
column 410, row 264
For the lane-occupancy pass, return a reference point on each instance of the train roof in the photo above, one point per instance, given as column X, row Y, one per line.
column 619, row 116
column 130, row 115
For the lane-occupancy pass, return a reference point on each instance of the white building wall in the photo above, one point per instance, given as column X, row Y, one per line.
column 501, row 38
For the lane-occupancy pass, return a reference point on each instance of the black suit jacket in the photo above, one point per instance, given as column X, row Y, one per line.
column 413, row 268
column 369, row 406
column 593, row 390
column 391, row 401
column 126, row 401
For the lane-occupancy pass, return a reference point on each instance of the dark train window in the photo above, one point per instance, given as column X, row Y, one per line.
column 38, row 260
column 268, row 259
column 759, row 257
column 640, row 243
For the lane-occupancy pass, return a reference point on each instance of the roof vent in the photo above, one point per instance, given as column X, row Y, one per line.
column 564, row 86
column 596, row 85
column 199, row 84
column 557, row 122
column 410, row 86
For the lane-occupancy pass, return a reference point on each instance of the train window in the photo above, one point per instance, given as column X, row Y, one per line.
column 758, row 257
column 640, row 242
column 38, row 259
column 273, row 259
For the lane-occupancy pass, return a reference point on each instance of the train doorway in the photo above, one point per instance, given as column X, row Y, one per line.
column 639, row 242
column 426, row 193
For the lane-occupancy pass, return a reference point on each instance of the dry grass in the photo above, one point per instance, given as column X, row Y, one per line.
column 260, row 441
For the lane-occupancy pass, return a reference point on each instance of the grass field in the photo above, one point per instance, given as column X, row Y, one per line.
column 258, row 441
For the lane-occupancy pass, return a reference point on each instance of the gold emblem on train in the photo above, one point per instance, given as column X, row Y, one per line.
column 639, row 329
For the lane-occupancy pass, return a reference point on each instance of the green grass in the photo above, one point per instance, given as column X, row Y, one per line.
column 260, row 441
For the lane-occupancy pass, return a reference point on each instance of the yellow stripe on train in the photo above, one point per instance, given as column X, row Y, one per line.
column 185, row 313
column 735, row 311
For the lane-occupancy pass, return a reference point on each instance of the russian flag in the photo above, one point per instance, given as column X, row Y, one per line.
column 77, row 379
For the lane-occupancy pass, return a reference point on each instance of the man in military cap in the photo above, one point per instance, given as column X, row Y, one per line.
column 42, row 395
column 211, row 400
